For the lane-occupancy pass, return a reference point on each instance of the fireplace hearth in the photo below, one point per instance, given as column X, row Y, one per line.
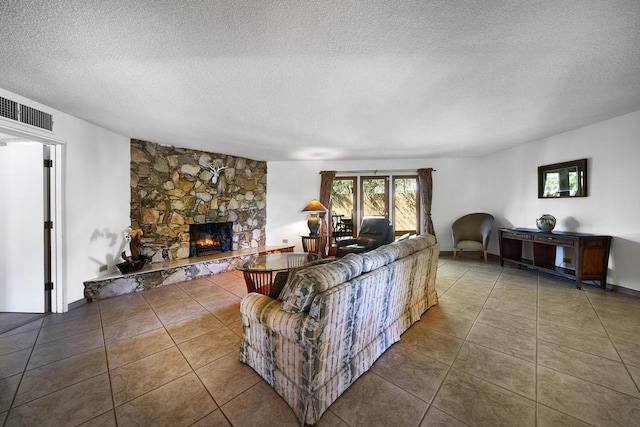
column 209, row 238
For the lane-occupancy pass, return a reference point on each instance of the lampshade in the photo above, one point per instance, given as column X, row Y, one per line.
column 314, row 206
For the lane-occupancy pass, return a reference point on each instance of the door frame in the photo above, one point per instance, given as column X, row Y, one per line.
column 56, row 152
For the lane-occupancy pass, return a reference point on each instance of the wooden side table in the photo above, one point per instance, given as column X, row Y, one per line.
column 316, row 245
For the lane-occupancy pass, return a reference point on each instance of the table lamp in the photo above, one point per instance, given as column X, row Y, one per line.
column 314, row 207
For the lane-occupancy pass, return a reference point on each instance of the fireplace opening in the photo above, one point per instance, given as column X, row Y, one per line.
column 211, row 237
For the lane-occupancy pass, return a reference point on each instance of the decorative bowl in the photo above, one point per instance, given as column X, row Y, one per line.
column 131, row 266
column 546, row 222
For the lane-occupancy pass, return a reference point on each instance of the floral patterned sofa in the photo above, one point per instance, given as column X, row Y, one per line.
column 332, row 321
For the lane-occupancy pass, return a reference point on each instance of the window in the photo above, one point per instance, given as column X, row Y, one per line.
column 374, row 194
column 343, row 205
column 343, row 196
column 406, row 202
column 360, row 196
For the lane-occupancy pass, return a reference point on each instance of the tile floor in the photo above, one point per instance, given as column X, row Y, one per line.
column 503, row 347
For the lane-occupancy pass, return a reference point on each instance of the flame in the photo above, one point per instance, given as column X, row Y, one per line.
column 208, row 241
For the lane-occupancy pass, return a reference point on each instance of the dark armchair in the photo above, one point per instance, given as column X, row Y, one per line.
column 374, row 232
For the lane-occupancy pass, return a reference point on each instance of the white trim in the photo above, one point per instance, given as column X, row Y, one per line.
column 58, row 296
column 373, row 172
column 24, row 133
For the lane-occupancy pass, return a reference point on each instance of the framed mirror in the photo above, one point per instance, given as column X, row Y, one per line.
column 567, row 179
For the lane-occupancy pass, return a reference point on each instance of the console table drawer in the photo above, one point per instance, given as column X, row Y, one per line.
column 516, row 235
column 554, row 240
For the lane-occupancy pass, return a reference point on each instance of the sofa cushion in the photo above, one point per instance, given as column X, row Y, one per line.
column 402, row 238
column 422, row 241
column 378, row 257
column 404, row 248
column 279, row 285
column 414, row 244
column 307, row 283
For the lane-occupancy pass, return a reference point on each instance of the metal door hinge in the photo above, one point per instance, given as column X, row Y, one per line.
column 48, row 286
column 48, row 225
column 48, row 163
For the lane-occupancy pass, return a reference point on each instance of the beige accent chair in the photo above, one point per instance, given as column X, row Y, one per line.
column 472, row 232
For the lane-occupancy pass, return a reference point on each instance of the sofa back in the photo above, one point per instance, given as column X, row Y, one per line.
column 352, row 323
column 303, row 287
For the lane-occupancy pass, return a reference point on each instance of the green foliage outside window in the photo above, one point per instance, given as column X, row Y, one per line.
column 342, row 192
column 405, row 205
column 405, row 200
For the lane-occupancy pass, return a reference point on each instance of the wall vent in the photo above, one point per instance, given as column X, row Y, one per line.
column 34, row 117
column 8, row 108
column 25, row 114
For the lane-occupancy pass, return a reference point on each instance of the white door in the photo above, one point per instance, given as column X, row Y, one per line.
column 22, row 215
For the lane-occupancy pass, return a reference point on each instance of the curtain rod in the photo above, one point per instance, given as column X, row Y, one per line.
column 377, row 171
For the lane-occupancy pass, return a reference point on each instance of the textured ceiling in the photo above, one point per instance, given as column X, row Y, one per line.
column 331, row 79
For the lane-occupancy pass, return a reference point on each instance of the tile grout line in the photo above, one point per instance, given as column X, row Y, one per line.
column 446, row 375
column 570, row 348
column 537, row 344
column 476, row 376
column 637, row 384
column 193, row 370
column 106, row 356
column 24, row 370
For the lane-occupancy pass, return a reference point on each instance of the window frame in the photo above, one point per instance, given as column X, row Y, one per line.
column 390, row 199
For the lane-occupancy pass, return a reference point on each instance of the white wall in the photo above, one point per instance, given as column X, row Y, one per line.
column 504, row 184
column 612, row 207
column 96, row 195
column 291, row 184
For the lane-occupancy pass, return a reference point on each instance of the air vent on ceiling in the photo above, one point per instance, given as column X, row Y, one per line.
column 25, row 114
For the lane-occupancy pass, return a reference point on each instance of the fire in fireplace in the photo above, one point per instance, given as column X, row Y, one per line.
column 210, row 238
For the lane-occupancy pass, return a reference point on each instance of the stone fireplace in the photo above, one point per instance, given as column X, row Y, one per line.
column 172, row 189
column 209, row 238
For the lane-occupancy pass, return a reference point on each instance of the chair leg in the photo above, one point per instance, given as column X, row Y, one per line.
column 485, row 256
column 455, row 251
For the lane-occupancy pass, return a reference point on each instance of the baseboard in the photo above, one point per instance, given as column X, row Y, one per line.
column 626, row 291
column 472, row 255
column 76, row 304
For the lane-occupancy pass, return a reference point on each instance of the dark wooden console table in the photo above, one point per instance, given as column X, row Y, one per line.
column 591, row 252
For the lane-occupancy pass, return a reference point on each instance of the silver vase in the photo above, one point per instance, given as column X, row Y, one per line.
column 546, row 222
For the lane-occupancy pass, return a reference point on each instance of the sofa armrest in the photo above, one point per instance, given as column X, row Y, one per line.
column 265, row 311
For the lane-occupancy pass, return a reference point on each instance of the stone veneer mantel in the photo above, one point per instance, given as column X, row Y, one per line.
column 172, row 187
column 170, row 272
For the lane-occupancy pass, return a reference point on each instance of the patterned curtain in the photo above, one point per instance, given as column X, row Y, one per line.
column 326, row 182
column 426, row 194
